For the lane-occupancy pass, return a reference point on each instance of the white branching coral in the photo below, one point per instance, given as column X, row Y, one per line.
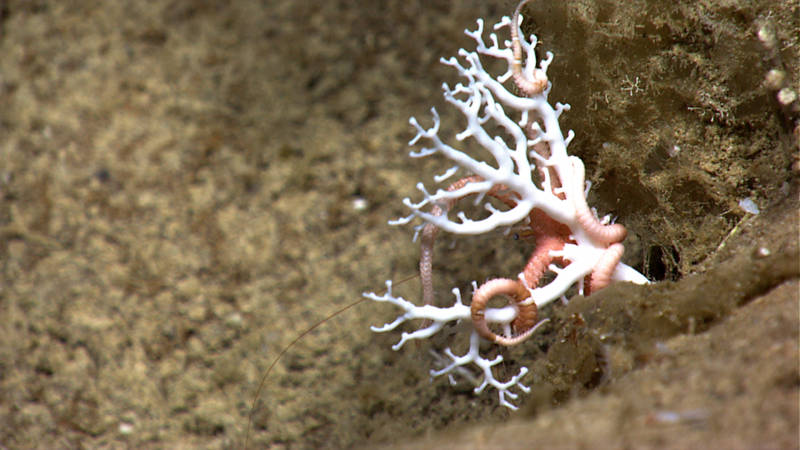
column 539, row 183
column 438, row 317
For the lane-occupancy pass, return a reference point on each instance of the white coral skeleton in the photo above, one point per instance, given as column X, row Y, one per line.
column 541, row 185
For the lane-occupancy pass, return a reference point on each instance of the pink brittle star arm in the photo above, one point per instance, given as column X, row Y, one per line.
column 529, row 87
column 604, row 269
column 514, row 290
column 605, row 234
column 429, row 232
column 550, row 236
column 609, row 235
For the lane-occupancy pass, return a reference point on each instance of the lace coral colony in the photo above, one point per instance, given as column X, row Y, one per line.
column 543, row 188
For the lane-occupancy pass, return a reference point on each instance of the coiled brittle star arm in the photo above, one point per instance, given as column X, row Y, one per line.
column 532, row 83
column 525, row 322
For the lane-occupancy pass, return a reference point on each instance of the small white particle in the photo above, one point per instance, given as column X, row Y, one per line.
column 125, row 428
column 234, row 320
column 674, row 151
column 749, row 206
column 360, row 204
column 786, row 96
column 767, row 37
column 774, row 79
